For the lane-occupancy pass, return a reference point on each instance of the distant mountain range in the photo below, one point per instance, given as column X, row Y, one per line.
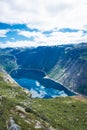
column 66, row 64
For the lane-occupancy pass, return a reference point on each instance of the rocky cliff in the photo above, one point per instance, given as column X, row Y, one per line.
column 72, row 71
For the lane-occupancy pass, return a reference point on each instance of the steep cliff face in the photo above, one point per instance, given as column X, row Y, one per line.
column 65, row 64
column 73, row 73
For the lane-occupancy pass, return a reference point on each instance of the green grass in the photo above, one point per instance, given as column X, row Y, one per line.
column 52, row 73
column 66, row 113
column 62, row 113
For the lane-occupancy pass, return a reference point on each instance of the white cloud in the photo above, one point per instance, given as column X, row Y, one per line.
column 18, row 44
column 67, row 38
column 28, row 34
column 45, row 14
column 55, row 38
column 3, row 33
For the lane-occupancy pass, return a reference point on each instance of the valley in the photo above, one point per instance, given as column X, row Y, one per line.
column 63, row 64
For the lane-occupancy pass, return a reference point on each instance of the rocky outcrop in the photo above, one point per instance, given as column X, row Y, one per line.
column 12, row 125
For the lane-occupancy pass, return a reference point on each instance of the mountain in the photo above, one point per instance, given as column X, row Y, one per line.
column 65, row 64
column 61, row 113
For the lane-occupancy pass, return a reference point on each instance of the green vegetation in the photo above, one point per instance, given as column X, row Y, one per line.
column 52, row 73
column 66, row 113
column 13, row 104
column 62, row 113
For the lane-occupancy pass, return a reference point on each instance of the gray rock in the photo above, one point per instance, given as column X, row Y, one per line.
column 12, row 125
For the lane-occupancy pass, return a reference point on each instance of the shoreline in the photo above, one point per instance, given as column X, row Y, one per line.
column 45, row 76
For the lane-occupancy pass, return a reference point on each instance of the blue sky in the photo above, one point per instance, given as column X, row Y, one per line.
column 42, row 22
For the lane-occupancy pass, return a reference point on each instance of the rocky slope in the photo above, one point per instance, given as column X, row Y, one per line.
column 63, row 113
column 65, row 64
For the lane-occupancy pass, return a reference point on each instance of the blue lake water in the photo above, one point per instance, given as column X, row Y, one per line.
column 39, row 85
column 39, row 90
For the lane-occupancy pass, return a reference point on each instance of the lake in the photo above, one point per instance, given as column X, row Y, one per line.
column 38, row 84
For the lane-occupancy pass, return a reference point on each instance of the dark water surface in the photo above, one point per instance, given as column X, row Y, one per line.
column 39, row 85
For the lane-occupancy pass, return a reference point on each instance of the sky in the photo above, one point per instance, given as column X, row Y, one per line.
column 32, row 23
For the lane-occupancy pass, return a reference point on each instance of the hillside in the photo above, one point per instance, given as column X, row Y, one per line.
column 16, row 102
column 63, row 113
column 65, row 64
